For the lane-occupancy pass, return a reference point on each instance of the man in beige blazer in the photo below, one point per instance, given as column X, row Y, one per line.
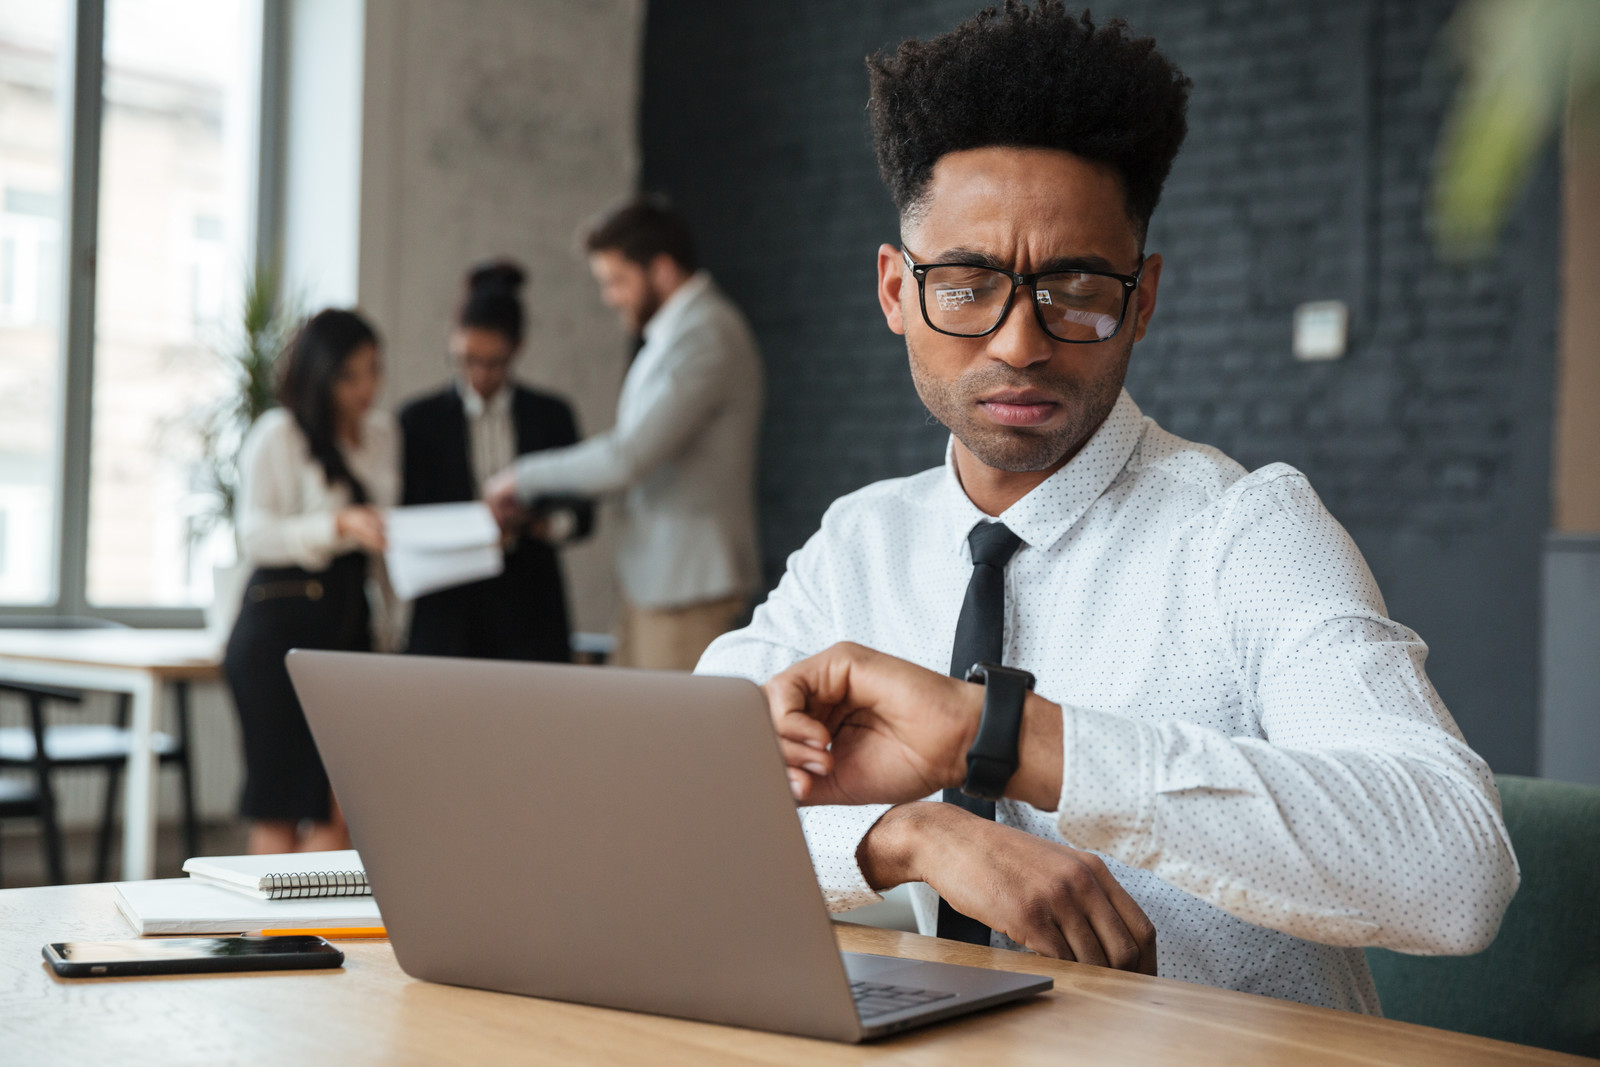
column 682, row 452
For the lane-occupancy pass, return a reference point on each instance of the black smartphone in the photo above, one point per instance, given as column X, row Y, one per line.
column 189, row 955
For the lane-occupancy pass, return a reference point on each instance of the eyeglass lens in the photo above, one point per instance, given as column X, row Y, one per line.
column 969, row 301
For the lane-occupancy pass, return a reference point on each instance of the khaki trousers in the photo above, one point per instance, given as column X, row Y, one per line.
column 672, row 639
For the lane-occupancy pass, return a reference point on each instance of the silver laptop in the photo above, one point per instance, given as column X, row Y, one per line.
column 611, row 837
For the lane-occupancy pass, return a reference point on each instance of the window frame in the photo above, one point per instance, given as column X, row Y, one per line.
column 83, row 58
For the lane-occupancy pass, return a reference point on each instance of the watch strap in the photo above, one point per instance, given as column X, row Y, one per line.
column 993, row 757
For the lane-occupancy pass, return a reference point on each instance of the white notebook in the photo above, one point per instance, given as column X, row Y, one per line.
column 185, row 906
column 288, row 876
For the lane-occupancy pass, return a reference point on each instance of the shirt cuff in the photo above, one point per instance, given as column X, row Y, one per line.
column 834, row 834
column 528, row 484
column 1107, row 784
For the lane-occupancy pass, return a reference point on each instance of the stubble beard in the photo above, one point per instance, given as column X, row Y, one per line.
column 1019, row 449
column 649, row 304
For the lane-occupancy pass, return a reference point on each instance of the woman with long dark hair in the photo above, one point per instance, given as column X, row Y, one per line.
column 458, row 438
column 314, row 475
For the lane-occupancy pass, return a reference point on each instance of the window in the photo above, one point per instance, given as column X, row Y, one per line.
column 107, row 357
column 175, row 165
column 31, row 187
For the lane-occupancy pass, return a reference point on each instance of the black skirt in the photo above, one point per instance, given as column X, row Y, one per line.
column 284, row 608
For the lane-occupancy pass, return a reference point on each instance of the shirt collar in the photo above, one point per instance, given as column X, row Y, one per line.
column 673, row 307
column 475, row 406
column 1056, row 504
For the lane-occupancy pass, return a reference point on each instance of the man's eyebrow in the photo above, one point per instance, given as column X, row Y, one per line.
column 973, row 256
column 977, row 257
column 1080, row 263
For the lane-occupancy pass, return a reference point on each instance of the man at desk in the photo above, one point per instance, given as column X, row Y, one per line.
column 682, row 451
column 1229, row 744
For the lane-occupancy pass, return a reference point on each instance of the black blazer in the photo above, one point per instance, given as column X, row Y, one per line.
column 522, row 614
column 438, row 459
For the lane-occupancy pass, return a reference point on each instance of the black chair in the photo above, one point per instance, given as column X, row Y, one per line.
column 18, row 800
column 45, row 749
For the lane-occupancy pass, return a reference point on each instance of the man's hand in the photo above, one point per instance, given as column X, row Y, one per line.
column 898, row 731
column 1055, row 900
column 500, row 493
column 861, row 727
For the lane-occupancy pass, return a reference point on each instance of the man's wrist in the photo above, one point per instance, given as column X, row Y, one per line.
column 1039, row 755
column 893, row 851
column 969, row 712
column 1037, row 780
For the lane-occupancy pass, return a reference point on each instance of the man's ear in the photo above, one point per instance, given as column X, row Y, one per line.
column 891, row 279
column 1149, row 282
column 664, row 274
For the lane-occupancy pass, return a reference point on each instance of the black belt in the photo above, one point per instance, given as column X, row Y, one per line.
column 308, row 588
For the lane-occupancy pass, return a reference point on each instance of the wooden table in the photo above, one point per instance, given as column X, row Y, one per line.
column 372, row 1013
column 146, row 664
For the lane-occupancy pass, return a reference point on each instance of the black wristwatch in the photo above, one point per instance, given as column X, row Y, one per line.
column 992, row 759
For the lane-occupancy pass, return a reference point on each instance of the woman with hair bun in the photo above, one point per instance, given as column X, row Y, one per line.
column 454, row 441
column 314, row 475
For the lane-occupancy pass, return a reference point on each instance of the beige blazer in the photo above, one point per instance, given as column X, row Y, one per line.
column 682, row 454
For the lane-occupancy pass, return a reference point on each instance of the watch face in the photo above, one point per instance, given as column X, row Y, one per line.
column 979, row 672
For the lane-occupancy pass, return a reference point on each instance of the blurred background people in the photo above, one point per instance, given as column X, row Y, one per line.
column 313, row 476
column 454, row 440
column 682, row 452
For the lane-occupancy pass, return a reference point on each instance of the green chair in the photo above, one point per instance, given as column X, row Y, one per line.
column 1539, row 983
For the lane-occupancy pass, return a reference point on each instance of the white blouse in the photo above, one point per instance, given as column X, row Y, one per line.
column 286, row 511
column 491, row 433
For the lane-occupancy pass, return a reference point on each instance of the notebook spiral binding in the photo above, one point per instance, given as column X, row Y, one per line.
column 316, row 884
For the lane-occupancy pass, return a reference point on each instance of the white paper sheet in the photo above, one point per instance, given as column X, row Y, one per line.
column 437, row 546
column 413, row 574
column 429, row 527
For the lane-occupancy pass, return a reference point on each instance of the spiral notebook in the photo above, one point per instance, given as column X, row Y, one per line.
column 290, row 876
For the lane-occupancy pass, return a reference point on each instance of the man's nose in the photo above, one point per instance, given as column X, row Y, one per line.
column 1019, row 340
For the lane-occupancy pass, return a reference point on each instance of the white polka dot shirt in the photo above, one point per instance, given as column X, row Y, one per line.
column 1250, row 743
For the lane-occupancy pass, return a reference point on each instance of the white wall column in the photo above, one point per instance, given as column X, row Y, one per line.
column 495, row 128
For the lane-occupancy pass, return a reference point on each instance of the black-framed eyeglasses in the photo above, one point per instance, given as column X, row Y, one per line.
column 1080, row 307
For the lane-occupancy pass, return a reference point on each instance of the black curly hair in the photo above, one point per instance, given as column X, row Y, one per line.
column 1026, row 77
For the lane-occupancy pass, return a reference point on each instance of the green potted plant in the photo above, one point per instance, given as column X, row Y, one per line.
column 249, row 360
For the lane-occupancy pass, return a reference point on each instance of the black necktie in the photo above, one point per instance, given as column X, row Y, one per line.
column 979, row 635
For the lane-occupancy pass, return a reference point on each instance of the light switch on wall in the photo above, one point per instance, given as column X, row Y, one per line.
column 1321, row 330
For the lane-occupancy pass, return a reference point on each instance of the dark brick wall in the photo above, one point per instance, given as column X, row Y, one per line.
column 1312, row 129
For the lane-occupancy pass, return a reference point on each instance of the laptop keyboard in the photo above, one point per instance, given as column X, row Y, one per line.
column 876, row 998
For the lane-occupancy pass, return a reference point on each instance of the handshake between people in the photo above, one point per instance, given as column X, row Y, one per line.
column 860, row 727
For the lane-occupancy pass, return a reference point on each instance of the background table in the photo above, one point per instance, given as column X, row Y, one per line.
column 371, row 1013
column 147, row 665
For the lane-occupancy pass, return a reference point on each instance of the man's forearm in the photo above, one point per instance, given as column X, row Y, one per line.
column 589, row 468
column 1038, row 777
column 888, row 853
column 1037, row 780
